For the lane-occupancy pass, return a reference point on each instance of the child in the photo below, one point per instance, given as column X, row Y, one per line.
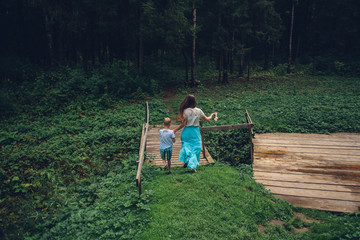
column 167, row 138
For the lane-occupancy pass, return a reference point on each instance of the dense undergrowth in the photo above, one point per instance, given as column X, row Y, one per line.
column 53, row 165
column 68, row 161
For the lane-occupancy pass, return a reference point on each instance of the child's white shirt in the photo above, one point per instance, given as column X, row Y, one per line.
column 166, row 136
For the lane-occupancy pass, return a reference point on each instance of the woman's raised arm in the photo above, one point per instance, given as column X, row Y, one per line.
column 207, row 119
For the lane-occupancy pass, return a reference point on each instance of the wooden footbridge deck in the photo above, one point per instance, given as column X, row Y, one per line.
column 153, row 149
column 310, row 170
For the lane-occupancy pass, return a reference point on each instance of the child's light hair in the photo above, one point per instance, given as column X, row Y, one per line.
column 167, row 122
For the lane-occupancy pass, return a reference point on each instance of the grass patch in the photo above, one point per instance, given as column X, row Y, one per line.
column 223, row 202
column 217, row 202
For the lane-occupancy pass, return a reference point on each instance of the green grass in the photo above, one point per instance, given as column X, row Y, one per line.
column 223, row 202
column 217, row 202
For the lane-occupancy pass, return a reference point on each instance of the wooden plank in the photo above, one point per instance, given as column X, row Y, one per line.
column 343, row 136
column 306, row 156
column 308, row 185
column 173, row 158
column 313, row 193
column 305, row 178
column 208, row 156
column 158, row 158
column 306, row 141
column 333, row 151
column 321, row 204
column 319, row 145
column 343, row 174
column 176, row 162
column 227, row 127
column 287, row 162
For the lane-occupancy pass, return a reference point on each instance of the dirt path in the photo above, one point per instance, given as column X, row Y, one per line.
column 168, row 98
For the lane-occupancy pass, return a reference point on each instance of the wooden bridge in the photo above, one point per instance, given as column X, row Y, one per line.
column 150, row 144
column 308, row 170
column 153, row 150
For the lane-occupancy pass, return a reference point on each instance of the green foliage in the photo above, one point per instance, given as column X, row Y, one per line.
column 43, row 157
column 68, row 167
column 107, row 207
column 328, row 225
column 49, row 91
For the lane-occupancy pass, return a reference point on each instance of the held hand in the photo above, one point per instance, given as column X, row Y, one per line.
column 216, row 117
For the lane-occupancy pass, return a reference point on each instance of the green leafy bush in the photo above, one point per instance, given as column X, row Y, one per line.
column 43, row 157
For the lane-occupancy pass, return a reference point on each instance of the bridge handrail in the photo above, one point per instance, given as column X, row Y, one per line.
column 249, row 125
column 144, row 132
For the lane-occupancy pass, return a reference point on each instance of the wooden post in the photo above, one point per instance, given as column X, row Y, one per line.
column 142, row 147
column 202, row 139
column 251, row 133
column 139, row 185
column 146, row 112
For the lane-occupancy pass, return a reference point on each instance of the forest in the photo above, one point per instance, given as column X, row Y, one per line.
column 153, row 40
column 74, row 79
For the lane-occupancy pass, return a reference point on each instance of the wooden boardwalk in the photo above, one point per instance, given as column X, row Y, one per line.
column 153, row 149
column 310, row 170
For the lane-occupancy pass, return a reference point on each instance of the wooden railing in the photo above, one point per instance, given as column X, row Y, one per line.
column 144, row 132
column 251, row 134
column 249, row 125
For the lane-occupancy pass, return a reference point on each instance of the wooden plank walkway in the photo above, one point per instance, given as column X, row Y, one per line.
column 153, row 149
column 310, row 170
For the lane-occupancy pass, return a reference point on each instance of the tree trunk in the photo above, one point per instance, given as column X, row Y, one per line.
column 49, row 37
column 249, row 66
column 291, row 35
column 226, row 67
column 220, row 57
column 297, row 48
column 193, row 58
column 186, row 68
column 60, row 46
column 241, row 64
column 266, row 57
column 232, row 53
column 141, row 38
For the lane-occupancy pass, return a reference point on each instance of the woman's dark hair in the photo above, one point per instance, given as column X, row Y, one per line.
column 188, row 102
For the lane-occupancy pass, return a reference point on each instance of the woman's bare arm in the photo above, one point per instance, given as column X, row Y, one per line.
column 183, row 124
column 207, row 119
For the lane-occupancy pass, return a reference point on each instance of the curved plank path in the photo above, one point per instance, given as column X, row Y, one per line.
column 153, row 149
column 310, row 170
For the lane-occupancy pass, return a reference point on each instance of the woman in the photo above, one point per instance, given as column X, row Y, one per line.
column 191, row 146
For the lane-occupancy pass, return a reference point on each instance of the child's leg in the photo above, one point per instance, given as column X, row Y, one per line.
column 169, row 164
column 163, row 157
column 169, row 153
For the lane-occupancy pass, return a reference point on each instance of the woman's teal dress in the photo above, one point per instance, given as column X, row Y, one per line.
column 191, row 146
